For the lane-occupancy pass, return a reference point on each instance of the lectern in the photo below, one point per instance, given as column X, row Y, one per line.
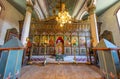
column 108, row 59
column 11, row 59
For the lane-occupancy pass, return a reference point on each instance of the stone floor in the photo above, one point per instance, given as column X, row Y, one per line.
column 60, row 71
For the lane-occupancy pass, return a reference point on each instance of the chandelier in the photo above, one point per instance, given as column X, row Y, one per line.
column 63, row 16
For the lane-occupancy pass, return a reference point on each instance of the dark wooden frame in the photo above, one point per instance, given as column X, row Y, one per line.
column 10, row 33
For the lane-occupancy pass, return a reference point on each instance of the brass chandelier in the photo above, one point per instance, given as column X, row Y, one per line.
column 63, row 16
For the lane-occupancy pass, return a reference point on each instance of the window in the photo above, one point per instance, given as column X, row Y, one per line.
column 118, row 16
column 0, row 9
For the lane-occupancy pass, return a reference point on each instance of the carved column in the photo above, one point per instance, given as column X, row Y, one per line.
column 94, row 30
column 26, row 24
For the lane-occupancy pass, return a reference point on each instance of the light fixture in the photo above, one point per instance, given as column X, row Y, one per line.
column 63, row 16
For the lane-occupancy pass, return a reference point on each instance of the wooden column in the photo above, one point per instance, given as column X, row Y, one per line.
column 94, row 30
column 26, row 24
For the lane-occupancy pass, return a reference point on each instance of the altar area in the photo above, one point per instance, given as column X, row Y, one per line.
column 70, row 40
column 74, row 37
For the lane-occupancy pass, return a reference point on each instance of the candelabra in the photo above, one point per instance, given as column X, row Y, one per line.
column 74, row 48
column 63, row 16
column 45, row 54
column 45, row 45
column 74, row 54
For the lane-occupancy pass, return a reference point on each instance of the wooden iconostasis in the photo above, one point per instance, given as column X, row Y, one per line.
column 78, row 42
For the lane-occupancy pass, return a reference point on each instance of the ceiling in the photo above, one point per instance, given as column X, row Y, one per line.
column 103, row 5
column 47, row 7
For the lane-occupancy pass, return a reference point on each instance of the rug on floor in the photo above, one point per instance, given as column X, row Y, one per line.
column 67, row 59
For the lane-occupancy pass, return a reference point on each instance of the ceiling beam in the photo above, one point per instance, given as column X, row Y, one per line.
column 20, row 8
column 41, row 9
column 101, row 10
column 77, row 8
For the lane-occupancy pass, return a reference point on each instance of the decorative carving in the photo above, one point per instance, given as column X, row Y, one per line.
column 91, row 9
column 29, row 8
column 107, row 35
column 41, row 27
column 29, row 3
column 89, row 2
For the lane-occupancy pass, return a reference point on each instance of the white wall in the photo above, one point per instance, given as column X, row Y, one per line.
column 109, row 22
column 8, row 19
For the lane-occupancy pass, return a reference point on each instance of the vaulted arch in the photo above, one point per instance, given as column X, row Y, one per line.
column 84, row 14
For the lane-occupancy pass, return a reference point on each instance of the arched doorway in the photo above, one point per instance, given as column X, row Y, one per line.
column 60, row 44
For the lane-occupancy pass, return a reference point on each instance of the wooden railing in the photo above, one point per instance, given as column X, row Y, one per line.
column 17, row 48
column 106, row 49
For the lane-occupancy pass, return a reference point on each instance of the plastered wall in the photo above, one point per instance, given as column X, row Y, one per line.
column 8, row 19
column 109, row 22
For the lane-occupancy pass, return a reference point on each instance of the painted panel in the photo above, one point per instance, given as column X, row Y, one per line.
column 88, row 41
column 4, row 57
column 35, row 50
column 75, row 50
column 36, row 39
column 18, row 64
column 83, row 51
column 67, row 51
column 74, row 41
column 43, row 39
column 10, row 65
column 82, row 42
column 67, row 41
column 51, row 40
column 51, row 50
column 42, row 50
